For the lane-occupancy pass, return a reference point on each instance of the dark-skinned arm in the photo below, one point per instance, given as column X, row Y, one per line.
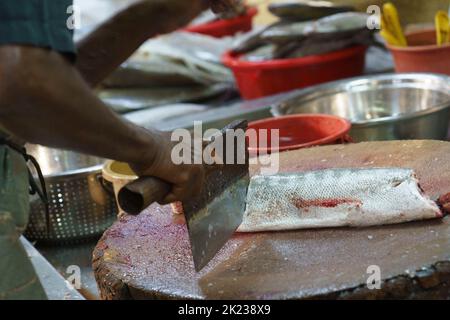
column 44, row 100
column 102, row 51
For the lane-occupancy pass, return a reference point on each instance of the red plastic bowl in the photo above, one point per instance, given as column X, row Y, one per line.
column 226, row 27
column 259, row 79
column 299, row 131
column 422, row 54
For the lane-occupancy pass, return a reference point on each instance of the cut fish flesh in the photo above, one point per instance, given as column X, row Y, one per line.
column 335, row 197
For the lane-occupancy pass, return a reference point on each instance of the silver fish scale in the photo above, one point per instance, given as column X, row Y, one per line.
column 335, row 197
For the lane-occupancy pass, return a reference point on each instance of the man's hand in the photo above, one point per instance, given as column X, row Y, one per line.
column 226, row 6
column 187, row 179
column 173, row 14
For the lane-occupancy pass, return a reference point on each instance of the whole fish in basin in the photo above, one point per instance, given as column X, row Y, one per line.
column 335, row 198
column 300, row 39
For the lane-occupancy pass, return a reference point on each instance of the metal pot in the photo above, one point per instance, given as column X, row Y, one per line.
column 381, row 107
column 81, row 205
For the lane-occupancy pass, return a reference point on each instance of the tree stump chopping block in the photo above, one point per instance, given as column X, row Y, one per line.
column 149, row 256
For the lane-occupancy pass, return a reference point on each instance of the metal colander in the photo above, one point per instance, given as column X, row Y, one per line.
column 81, row 204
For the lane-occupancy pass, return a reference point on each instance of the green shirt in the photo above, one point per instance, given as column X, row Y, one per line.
column 40, row 23
column 44, row 24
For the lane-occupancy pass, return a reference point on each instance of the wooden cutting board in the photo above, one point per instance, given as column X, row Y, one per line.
column 149, row 256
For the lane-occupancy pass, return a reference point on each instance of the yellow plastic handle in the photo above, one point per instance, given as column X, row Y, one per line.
column 387, row 35
column 392, row 23
column 442, row 28
column 390, row 38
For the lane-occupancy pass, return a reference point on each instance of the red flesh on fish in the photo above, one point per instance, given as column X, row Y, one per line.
column 327, row 203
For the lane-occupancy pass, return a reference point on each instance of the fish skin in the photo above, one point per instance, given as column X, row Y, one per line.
column 295, row 11
column 335, row 198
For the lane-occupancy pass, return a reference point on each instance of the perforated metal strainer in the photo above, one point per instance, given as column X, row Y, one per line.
column 81, row 205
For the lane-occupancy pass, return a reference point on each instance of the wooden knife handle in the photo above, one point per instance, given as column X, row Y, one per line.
column 141, row 193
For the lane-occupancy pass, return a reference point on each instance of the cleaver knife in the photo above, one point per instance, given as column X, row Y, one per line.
column 213, row 216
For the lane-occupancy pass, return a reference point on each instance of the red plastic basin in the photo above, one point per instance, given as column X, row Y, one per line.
column 226, row 27
column 299, row 131
column 422, row 54
column 259, row 79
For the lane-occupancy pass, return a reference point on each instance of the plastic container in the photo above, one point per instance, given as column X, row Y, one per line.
column 259, row 79
column 299, row 131
column 226, row 27
column 422, row 54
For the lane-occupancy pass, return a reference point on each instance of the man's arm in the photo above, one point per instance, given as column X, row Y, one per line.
column 43, row 99
column 102, row 51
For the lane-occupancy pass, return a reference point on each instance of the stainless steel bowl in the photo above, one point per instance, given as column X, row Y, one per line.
column 381, row 107
column 81, row 205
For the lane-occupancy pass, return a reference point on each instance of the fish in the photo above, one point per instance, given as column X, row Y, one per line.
column 263, row 53
column 296, row 11
column 322, row 45
column 287, row 31
column 249, row 41
column 336, row 198
column 291, row 39
column 176, row 59
column 341, row 22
